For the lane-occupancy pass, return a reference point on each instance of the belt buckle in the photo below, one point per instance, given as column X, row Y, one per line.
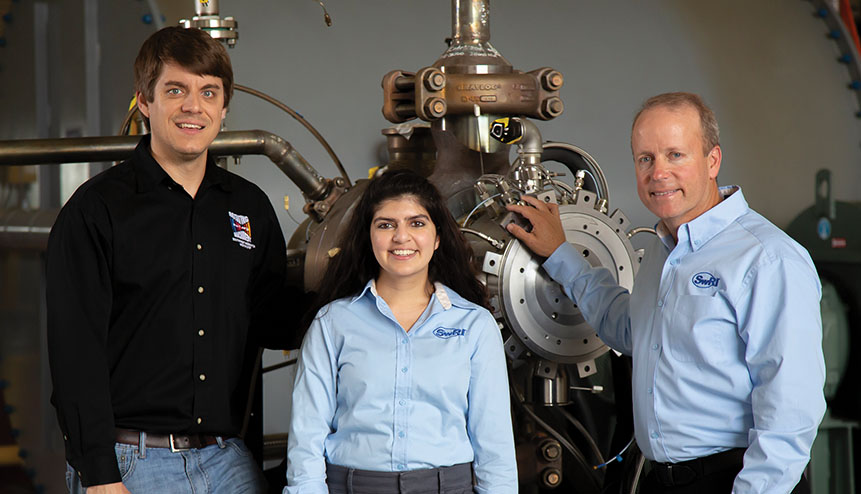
column 174, row 449
column 670, row 480
column 679, row 475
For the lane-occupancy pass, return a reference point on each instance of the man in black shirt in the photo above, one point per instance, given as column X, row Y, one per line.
column 162, row 273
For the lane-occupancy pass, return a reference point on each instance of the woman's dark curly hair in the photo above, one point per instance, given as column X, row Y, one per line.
column 451, row 264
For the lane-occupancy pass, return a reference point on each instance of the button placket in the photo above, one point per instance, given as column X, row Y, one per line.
column 402, row 390
column 202, row 300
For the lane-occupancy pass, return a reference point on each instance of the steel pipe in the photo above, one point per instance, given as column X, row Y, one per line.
column 117, row 148
column 68, row 150
column 21, row 229
column 470, row 21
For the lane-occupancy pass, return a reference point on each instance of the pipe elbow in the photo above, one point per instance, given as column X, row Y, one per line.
column 531, row 138
column 293, row 164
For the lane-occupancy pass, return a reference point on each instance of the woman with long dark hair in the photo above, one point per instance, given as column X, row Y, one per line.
column 401, row 384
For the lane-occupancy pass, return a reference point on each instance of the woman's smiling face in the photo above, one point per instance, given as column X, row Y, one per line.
column 403, row 238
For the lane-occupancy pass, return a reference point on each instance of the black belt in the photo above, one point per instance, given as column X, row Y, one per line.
column 176, row 442
column 685, row 472
column 436, row 479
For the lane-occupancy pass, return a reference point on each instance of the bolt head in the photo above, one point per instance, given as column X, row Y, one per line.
column 435, row 107
column 552, row 80
column 434, row 80
column 552, row 107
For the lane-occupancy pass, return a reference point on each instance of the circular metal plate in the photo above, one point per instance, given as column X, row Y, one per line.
column 535, row 307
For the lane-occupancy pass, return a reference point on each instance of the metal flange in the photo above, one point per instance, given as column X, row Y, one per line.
column 535, row 308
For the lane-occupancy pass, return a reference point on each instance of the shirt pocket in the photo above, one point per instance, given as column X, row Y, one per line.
column 702, row 330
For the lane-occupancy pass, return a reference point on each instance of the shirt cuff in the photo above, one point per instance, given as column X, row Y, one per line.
column 565, row 263
column 98, row 470
column 307, row 488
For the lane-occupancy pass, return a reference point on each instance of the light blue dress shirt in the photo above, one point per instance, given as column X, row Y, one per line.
column 726, row 338
column 371, row 396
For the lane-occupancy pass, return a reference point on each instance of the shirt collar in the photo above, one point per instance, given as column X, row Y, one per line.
column 371, row 287
column 442, row 296
column 149, row 173
column 701, row 229
column 665, row 236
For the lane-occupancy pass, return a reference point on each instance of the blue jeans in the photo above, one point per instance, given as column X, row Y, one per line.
column 227, row 468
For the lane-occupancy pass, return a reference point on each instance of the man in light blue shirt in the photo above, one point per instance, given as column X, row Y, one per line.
column 723, row 321
column 442, row 386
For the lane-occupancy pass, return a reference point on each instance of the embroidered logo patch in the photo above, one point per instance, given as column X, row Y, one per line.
column 446, row 333
column 241, row 226
column 704, row 280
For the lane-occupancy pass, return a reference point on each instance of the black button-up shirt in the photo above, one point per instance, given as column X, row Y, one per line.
column 154, row 300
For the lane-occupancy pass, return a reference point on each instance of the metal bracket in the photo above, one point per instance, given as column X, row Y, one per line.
column 546, row 369
column 492, row 263
column 586, row 369
column 512, row 217
column 547, row 197
column 513, row 348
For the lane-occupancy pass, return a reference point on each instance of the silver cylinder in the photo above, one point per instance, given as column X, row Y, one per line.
column 470, row 21
column 549, row 385
column 205, row 7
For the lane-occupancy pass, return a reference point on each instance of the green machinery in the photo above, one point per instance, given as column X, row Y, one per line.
column 831, row 231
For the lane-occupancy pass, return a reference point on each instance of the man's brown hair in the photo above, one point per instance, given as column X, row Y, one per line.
column 708, row 122
column 191, row 49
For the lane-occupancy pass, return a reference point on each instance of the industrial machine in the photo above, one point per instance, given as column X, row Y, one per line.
column 477, row 106
column 829, row 231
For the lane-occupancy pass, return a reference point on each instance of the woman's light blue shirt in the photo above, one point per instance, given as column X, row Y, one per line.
column 371, row 396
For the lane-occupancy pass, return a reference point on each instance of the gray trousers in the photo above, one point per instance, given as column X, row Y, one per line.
column 456, row 479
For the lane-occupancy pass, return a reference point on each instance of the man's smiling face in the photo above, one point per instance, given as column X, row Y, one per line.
column 185, row 113
column 676, row 179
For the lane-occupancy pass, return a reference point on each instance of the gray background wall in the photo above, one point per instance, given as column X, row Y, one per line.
column 766, row 67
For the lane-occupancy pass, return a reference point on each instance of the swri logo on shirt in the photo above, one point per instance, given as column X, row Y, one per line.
column 446, row 333
column 241, row 227
column 704, row 280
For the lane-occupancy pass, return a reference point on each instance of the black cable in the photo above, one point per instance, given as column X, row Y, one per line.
column 578, row 456
column 580, row 428
column 301, row 120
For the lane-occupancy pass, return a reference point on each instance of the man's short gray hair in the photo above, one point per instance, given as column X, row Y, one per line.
column 708, row 122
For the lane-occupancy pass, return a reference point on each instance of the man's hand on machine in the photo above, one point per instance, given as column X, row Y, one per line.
column 547, row 233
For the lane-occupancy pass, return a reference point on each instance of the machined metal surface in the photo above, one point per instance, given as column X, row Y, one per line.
column 470, row 50
column 471, row 84
column 575, row 157
column 549, row 384
column 322, row 238
column 544, row 320
column 206, row 18
column 537, row 310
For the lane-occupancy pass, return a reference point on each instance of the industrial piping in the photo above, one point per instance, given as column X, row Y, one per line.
column 29, row 229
